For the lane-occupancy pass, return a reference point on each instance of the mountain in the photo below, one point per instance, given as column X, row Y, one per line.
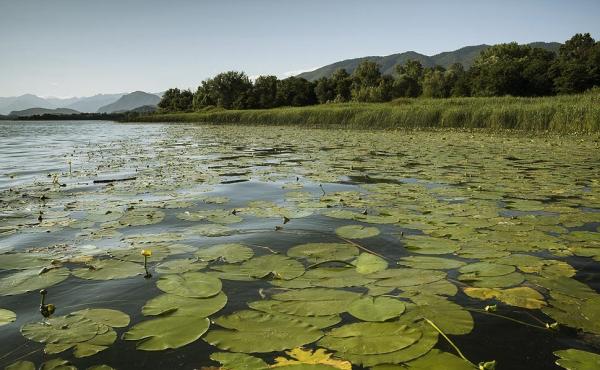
column 130, row 101
column 39, row 111
column 91, row 104
column 465, row 56
column 26, row 101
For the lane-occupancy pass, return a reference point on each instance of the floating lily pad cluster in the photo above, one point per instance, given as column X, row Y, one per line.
column 87, row 332
column 374, row 245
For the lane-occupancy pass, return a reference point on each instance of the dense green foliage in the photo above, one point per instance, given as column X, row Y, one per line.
column 568, row 113
column 500, row 70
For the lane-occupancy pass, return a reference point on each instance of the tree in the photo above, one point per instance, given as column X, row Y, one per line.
column 578, row 65
column 367, row 74
column 295, row 91
column 325, row 90
column 498, row 70
column 434, row 84
column 175, row 100
column 342, row 83
column 265, row 92
column 457, row 80
column 229, row 90
column 409, row 78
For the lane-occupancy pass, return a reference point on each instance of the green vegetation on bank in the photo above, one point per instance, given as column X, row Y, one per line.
column 578, row 113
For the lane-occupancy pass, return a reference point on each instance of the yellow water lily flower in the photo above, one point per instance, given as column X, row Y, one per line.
column 146, row 252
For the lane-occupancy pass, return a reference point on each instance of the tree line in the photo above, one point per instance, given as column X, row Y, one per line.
column 503, row 69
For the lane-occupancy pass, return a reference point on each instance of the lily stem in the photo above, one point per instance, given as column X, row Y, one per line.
column 449, row 341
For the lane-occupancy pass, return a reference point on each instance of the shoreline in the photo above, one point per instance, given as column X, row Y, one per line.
column 561, row 114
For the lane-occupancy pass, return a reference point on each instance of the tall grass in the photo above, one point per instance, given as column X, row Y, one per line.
column 569, row 114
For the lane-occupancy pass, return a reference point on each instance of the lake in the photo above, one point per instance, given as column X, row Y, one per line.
column 372, row 246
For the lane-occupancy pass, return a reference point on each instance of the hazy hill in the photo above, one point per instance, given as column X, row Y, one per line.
column 130, row 101
column 465, row 55
column 26, row 101
column 39, row 111
column 91, row 104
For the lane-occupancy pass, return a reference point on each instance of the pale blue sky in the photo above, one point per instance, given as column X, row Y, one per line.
column 84, row 47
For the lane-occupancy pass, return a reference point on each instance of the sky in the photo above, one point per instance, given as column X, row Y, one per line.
column 66, row 48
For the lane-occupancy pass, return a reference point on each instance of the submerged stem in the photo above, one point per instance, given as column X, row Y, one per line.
column 449, row 341
column 506, row 317
column 364, row 249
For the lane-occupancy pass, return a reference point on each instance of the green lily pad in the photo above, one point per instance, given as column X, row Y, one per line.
column 403, row 277
column 172, row 331
column 169, row 303
column 61, row 330
column 21, row 261
column 485, row 269
column 21, row 365
column 229, row 253
column 109, row 317
column 503, row 281
column 430, row 263
column 275, row 265
column 210, row 230
column 141, row 216
column 367, row 338
column 376, row 309
column 314, row 301
column 238, row 361
column 367, row 263
column 180, row 266
column 108, row 269
column 190, row 284
column 356, row 232
column 429, row 245
column 448, row 316
column 416, row 350
column 276, row 333
column 322, row 252
column 30, row 280
column 437, row 359
column 270, row 306
column 7, row 316
column 574, row 359
column 57, row 364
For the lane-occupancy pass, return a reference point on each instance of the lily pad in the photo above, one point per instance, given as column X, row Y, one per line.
column 30, row 280
column 229, row 253
column 108, row 269
column 368, row 338
column 430, row 245
column 172, row 331
column 272, row 265
column 169, row 303
column 357, row 231
column 61, row 330
column 524, row 297
column 430, row 263
column 7, row 316
column 190, row 284
column 180, row 266
column 276, row 333
column 376, row 309
column 367, row 263
column 437, row 359
column 322, row 252
column 238, row 361
column 574, row 359
column 109, row 317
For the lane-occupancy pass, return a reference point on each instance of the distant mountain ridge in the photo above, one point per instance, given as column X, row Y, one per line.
column 465, row 56
column 39, row 111
column 88, row 104
column 131, row 101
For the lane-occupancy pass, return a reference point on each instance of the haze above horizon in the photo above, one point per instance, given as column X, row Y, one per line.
column 73, row 48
